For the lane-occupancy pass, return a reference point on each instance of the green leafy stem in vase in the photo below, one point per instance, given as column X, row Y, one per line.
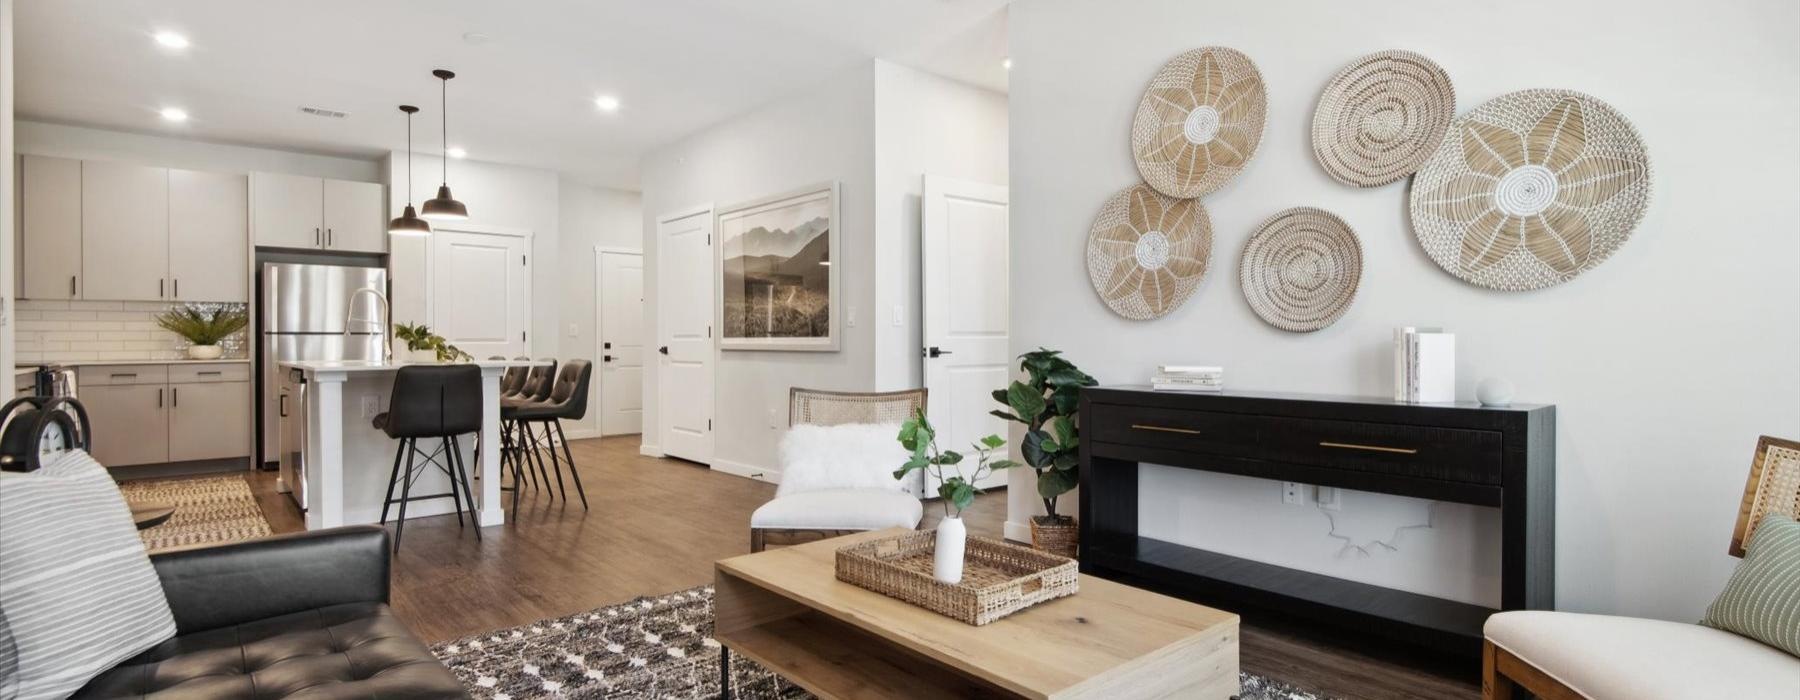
column 202, row 327
column 420, row 337
column 957, row 490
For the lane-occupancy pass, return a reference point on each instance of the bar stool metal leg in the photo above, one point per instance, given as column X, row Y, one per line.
column 462, row 472
column 405, row 495
column 570, row 458
column 392, row 474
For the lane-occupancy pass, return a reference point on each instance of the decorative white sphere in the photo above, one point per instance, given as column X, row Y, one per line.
column 1494, row 391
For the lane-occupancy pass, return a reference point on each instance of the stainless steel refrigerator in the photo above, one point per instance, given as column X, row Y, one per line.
column 306, row 315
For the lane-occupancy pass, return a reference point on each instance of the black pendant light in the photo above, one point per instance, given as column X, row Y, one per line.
column 409, row 223
column 443, row 206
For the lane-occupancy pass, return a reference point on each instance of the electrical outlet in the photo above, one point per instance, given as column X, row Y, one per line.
column 850, row 317
column 1330, row 498
column 574, row 331
column 371, row 405
column 774, row 419
column 1292, row 494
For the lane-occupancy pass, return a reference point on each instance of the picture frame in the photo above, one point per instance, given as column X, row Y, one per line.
column 777, row 287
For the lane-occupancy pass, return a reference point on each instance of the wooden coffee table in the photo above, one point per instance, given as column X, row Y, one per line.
column 785, row 609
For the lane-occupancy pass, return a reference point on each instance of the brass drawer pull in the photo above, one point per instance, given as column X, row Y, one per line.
column 1371, row 448
column 1165, row 429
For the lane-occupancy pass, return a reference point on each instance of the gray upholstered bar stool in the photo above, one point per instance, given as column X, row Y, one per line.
column 431, row 401
column 567, row 401
column 517, row 452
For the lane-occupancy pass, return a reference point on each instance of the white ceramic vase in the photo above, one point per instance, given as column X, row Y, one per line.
column 947, row 565
column 205, row 352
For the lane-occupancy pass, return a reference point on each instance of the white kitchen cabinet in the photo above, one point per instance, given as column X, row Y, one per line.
column 124, row 231
column 207, row 420
column 130, row 422
column 49, row 228
column 286, row 210
column 208, row 236
column 354, row 219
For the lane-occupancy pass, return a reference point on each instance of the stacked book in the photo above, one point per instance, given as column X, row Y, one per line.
column 1188, row 378
column 1424, row 365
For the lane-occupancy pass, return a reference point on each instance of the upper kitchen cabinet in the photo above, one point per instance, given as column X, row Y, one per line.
column 125, row 231
column 209, row 215
column 354, row 219
column 291, row 211
column 49, row 228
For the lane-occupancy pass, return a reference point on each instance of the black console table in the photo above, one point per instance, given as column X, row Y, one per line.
column 1462, row 453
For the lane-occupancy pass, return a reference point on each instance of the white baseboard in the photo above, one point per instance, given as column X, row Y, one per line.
column 580, row 433
column 747, row 471
column 649, row 450
column 1018, row 532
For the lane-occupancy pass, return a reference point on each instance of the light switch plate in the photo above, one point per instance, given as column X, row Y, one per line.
column 371, row 405
column 899, row 315
column 574, row 331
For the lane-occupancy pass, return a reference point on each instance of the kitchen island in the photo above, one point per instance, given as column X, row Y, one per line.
column 347, row 461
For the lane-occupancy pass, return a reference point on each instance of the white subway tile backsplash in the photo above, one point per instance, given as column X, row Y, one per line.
column 77, row 331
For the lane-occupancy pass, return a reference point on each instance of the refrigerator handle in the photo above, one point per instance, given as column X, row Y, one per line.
column 282, row 402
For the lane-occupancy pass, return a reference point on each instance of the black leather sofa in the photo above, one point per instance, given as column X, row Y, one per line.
column 301, row 614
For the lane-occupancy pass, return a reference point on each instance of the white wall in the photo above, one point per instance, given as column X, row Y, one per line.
column 64, row 141
column 590, row 216
column 827, row 133
column 1665, row 363
column 924, row 124
column 506, row 197
column 8, row 206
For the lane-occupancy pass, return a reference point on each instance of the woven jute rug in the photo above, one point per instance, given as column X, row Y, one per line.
column 654, row 647
column 208, row 511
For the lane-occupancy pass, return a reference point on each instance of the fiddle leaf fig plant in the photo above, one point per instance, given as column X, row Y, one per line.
column 957, row 490
column 1046, row 402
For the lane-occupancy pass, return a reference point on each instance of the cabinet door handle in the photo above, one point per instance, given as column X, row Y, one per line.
column 328, row 238
column 159, row 398
column 131, row 375
column 318, row 238
column 1370, row 448
column 178, row 288
column 175, row 396
column 211, row 374
column 71, row 285
column 160, row 284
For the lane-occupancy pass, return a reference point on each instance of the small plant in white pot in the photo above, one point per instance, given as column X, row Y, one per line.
column 956, row 491
column 203, row 329
column 422, row 345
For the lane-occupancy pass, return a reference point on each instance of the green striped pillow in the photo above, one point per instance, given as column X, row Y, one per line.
column 1762, row 599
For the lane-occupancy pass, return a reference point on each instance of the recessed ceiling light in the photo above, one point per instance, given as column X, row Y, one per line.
column 174, row 114
column 607, row 103
column 172, row 40
column 457, row 152
column 1006, row 63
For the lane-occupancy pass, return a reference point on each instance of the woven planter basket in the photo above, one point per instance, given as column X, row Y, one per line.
column 1531, row 189
column 1300, row 269
column 1147, row 252
column 999, row 579
column 1381, row 117
column 1199, row 122
column 1059, row 538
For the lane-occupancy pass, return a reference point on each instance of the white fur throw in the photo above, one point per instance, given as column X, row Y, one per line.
column 853, row 456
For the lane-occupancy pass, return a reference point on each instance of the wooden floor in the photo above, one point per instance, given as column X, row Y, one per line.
column 656, row 525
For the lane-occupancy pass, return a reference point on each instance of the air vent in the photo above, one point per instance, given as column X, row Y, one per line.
column 322, row 112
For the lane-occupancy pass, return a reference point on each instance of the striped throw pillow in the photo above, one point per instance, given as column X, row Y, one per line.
column 76, row 588
column 1762, row 599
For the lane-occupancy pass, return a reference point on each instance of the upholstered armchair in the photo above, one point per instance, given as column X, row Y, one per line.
column 837, row 462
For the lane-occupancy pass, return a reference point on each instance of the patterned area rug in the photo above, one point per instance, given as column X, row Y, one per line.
column 657, row 647
column 212, row 510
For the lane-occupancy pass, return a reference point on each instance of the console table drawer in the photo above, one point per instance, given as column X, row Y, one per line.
column 1450, row 454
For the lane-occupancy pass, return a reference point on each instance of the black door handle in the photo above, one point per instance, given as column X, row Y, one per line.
column 934, row 351
column 664, row 349
column 606, row 346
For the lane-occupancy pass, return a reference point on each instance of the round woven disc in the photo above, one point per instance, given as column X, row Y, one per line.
column 1300, row 269
column 1381, row 117
column 1199, row 122
column 1147, row 252
column 1531, row 189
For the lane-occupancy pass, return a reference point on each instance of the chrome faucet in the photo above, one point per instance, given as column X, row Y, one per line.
column 381, row 324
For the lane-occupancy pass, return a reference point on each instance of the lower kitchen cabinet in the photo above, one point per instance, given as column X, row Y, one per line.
column 153, row 414
column 130, row 422
column 209, row 421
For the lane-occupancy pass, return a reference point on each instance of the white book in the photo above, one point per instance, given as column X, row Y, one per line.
column 1186, row 387
column 1198, row 381
column 1435, row 367
column 1189, row 369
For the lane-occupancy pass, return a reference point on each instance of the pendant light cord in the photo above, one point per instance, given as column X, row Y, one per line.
column 409, row 184
column 444, row 125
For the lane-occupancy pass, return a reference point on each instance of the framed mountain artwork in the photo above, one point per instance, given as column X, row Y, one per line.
column 778, row 289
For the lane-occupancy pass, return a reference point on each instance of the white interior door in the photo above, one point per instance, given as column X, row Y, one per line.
column 481, row 292
column 685, row 304
column 964, row 259
column 621, row 324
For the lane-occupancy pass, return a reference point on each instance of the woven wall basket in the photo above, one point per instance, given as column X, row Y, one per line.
column 1147, row 252
column 1199, row 122
column 1381, row 117
column 1300, row 269
column 1531, row 189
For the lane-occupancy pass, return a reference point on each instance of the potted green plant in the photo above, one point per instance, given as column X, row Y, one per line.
column 422, row 345
column 956, row 491
column 1046, row 402
column 203, row 329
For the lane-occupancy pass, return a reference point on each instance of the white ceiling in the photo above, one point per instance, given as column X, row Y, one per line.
column 524, row 96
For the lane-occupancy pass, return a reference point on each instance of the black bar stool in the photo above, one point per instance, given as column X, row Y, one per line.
column 515, row 448
column 432, row 402
column 568, row 401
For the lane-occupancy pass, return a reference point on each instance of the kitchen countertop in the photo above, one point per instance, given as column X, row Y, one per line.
column 334, row 366
column 28, row 368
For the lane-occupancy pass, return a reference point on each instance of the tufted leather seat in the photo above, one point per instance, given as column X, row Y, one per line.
column 300, row 616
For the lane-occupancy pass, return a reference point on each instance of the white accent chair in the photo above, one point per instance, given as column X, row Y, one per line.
column 1559, row 655
column 839, row 481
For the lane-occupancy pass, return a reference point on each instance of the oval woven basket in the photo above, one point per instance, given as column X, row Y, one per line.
column 1381, row 117
column 1300, row 269
column 1531, row 189
column 1147, row 252
column 1199, row 121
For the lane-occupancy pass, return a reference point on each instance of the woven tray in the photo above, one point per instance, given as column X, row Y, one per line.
column 999, row 579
